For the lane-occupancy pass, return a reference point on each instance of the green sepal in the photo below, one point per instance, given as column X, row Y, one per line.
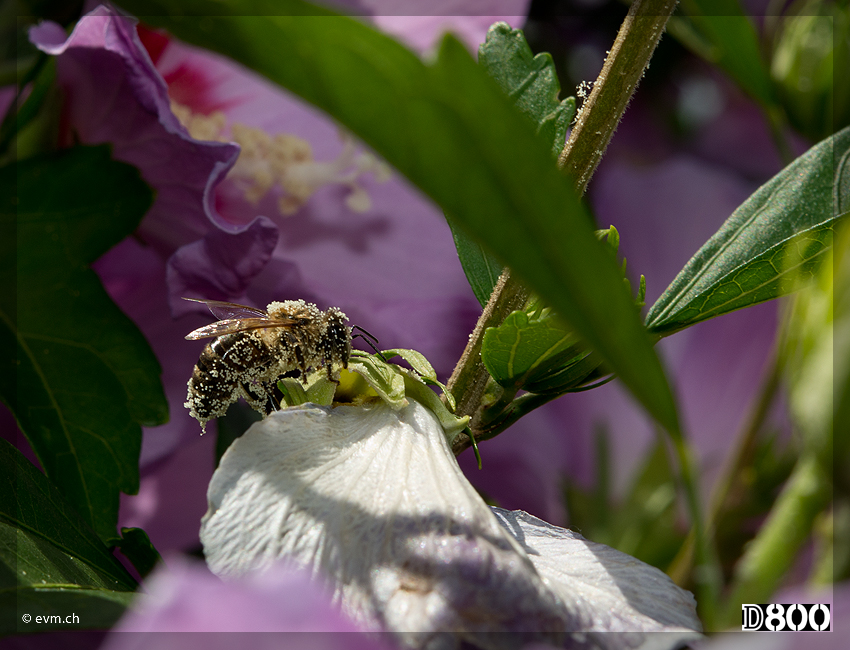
column 318, row 389
column 416, row 360
column 293, row 391
column 321, row 390
column 394, row 384
column 416, row 388
column 383, row 377
column 424, row 368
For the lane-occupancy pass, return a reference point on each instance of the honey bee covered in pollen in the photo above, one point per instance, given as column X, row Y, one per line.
column 254, row 348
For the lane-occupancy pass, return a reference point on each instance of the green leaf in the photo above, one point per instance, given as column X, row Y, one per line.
column 51, row 561
column 515, row 350
column 569, row 371
column 532, row 83
column 76, row 372
column 137, row 547
column 645, row 525
column 536, row 351
column 811, row 50
column 780, row 231
column 450, row 130
column 482, row 270
column 729, row 40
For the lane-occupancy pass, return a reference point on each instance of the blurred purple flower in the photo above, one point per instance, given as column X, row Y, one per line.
column 420, row 24
column 186, row 597
column 114, row 95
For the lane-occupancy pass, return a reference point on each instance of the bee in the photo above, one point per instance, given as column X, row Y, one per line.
column 254, row 348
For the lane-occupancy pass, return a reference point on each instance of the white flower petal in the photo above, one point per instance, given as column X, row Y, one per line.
column 613, row 591
column 373, row 499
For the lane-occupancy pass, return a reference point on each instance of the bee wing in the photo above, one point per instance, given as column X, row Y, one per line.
column 233, row 325
column 230, row 310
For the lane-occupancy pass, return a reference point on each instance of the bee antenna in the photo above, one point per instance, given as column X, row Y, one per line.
column 369, row 338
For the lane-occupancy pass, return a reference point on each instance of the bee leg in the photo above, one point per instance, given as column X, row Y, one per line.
column 299, row 356
column 259, row 402
column 275, row 396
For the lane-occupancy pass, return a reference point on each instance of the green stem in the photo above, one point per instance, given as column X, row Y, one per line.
column 613, row 89
column 514, row 411
column 823, row 565
column 707, row 575
column 469, row 379
column 775, row 548
column 599, row 116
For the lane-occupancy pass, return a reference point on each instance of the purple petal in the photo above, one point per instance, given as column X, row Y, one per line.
column 134, row 277
column 393, row 269
column 420, row 25
column 115, row 95
column 220, row 266
column 186, row 597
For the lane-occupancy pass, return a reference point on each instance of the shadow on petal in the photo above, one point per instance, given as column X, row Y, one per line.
column 616, row 592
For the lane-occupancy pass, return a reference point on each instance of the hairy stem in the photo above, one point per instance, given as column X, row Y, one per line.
column 613, row 89
column 597, row 121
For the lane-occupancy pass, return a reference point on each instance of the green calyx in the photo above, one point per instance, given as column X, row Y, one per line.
column 372, row 376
